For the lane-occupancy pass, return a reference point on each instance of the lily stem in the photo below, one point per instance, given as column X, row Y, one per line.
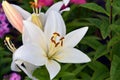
column 111, row 21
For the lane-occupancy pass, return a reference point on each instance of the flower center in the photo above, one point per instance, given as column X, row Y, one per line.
column 9, row 44
column 36, row 6
column 56, row 42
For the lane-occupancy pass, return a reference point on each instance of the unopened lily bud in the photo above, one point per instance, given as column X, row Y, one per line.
column 36, row 20
column 13, row 16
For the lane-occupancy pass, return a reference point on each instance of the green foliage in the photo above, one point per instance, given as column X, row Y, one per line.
column 94, row 7
column 5, row 61
column 115, row 68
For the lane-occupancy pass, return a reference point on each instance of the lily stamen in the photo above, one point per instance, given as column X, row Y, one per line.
column 9, row 44
column 55, row 33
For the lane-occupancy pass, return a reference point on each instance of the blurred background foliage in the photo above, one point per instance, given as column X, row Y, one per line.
column 101, row 43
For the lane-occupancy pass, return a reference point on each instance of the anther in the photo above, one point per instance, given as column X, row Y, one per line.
column 55, row 33
column 62, row 38
column 57, row 44
column 53, row 42
column 52, row 38
column 61, row 43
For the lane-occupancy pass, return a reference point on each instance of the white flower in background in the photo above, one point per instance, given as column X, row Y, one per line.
column 38, row 17
column 16, row 14
column 52, row 45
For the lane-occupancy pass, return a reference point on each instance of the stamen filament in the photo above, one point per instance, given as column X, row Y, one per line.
column 9, row 44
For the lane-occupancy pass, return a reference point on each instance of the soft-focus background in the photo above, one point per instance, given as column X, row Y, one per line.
column 101, row 43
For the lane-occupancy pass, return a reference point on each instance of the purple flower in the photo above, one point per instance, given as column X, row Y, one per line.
column 15, row 76
column 3, row 24
column 12, row 76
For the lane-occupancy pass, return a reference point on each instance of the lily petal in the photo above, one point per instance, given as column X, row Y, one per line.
column 23, row 12
column 54, row 23
column 74, row 37
column 27, row 68
column 56, row 7
column 53, row 68
column 33, row 34
column 72, row 55
column 14, row 67
column 31, row 54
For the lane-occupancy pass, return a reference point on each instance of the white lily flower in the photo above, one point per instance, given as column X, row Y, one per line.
column 52, row 45
column 38, row 17
column 55, row 7
column 25, row 58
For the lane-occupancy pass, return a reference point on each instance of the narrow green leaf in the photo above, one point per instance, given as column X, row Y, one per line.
column 91, row 41
column 116, row 49
column 115, row 68
column 95, row 21
column 101, row 72
column 113, row 41
column 115, row 28
column 104, row 28
column 102, row 50
column 94, row 7
column 85, row 76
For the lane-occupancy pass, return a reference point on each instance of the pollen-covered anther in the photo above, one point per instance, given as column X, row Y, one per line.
column 9, row 44
column 55, row 33
column 57, row 43
column 32, row 4
column 52, row 40
column 61, row 40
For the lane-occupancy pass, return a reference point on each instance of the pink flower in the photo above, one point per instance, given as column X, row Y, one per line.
column 46, row 2
column 78, row 1
column 15, row 76
column 12, row 76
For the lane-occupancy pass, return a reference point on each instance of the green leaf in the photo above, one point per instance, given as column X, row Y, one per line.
column 94, row 7
column 100, row 71
column 115, row 68
column 107, row 6
column 41, row 73
column 115, row 28
column 104, row 28
column 113, row 41
column 116, row 49
column 95, row 21
column 91, row 41
column 102, row 50
column 85, row 76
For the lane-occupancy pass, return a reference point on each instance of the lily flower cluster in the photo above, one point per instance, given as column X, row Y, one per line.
column 45, row 42
column 3, row 24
